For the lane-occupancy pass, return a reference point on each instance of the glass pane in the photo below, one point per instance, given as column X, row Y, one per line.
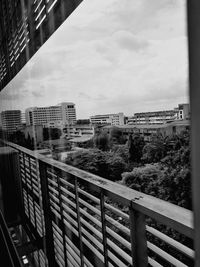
column 107, row 94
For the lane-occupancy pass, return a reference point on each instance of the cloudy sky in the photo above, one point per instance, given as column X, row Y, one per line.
column 109, row 56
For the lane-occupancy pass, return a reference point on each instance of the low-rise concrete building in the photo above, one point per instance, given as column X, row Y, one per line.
column 109, row 119
column 182, row 112
column 155, row 117
column 147, row 131
column 79, row 130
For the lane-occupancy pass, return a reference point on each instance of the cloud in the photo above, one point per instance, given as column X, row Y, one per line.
column 110, row 56
column 37, row 94
column 84, row 95
column 8, row 97
column 126, row 40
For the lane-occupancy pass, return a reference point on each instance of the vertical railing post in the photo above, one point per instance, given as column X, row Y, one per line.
column 193, row 12
column 49, row 241
column 104, row 233
column 31, row 178
column 10, row 185
column 62, row 220
column 138, row 238
column 79, row 220
column 25, row 177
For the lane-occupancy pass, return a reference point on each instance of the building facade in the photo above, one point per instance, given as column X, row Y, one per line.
column 63, row 114
column 110, row 119
column 147, row 130
column 79, row 130
column 155, row 117
column 11, row 120
column 182, row 112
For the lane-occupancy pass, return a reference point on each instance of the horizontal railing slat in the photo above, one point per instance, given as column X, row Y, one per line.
column 165, row 255
column 94, row 220
column 177, row 245
column 154, row 263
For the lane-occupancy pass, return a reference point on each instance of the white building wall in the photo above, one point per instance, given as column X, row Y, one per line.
column 64, row 112
column 68, row 112
column 111, row 119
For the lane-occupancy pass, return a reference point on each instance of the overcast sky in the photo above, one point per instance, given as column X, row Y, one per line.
column 109, row 56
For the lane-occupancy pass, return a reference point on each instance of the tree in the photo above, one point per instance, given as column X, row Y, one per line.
column 115, row 165
column 83, row 121
column 18, row 137
column 144, row 178
column 135, row 146
column 102, row 142
column 156, row 149
column 176, row 180
column 93, row 161
column 160, row 145
column 51, row 133
column 122, row 151
column 106, row 164
column 116, row 136
column 28, row 142
column 169, row 179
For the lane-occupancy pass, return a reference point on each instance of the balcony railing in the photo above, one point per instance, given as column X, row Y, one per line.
column 8, row 253
column 86, row 220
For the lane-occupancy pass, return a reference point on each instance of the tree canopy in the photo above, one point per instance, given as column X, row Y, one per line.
column 51, row 133
column 167, row 171
column 160, row 168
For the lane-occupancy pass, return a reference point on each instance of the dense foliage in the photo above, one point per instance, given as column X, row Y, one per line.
column 106, row 164
column 166, row 170
column 101, row 142
column 19, row 138
column 160, row 168
column 51, row 133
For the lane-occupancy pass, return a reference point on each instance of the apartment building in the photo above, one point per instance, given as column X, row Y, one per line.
column 110, row 119
column 10, row 120
column 64, row 113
